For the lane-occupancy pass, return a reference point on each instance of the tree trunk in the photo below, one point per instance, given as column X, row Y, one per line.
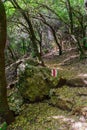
column 53, row 32
column 5, row 113
column 70, row 14
column 55, row 38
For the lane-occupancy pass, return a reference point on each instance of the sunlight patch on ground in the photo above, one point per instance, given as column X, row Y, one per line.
column 79, row 126
column 83, row 75
column 74, row 125
column 63, row 118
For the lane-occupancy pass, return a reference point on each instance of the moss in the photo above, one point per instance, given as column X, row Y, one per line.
column 37, row 116
column 33, row 62
column 35, row 83
column 62, row 103
column 15, row 100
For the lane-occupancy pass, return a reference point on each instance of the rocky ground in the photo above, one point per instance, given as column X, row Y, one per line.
column 66, row 109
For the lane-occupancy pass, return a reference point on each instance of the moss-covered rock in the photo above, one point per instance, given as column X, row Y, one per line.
column 62, row 103
column 34, row 83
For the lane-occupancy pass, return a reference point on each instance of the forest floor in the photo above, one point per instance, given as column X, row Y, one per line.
column 44, row 116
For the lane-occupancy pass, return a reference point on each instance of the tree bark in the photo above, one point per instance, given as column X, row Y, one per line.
column 5, row 113
column 69, row 9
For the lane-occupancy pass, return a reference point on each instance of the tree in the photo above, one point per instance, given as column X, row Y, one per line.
column 43, row 19
column 70, row 14
column 5, row 112
column 31, row 30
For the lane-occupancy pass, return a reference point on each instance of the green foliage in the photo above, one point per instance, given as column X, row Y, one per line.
column 9, row 9
column 84, row 39
column 18, row 28
column 3, row 126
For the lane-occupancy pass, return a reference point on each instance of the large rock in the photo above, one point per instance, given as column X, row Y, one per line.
column 74, row 82
column 34, row 83
column 62, row 103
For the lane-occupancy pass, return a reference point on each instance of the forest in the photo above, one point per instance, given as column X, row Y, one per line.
column 43, row 64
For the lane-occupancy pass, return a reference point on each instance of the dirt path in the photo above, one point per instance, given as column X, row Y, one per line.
column 69, row 63
column 69, row 66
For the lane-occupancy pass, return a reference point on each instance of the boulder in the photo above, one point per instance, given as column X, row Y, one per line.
column 62, row 103
column 34, row 83
column 74, row 82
